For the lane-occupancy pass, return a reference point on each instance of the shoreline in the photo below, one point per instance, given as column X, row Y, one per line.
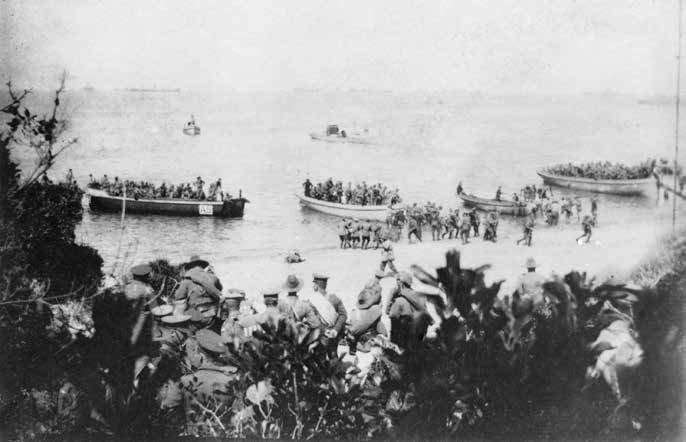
column 616, row 250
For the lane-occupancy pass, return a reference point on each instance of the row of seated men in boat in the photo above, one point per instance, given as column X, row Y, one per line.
column 361, row 194
column 146, row 190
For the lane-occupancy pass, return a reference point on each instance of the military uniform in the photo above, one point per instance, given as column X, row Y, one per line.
column 211, row 376
column 139, row 288
column 334, row 329
column 387, row 257
column 202, row 290
column 408, row 313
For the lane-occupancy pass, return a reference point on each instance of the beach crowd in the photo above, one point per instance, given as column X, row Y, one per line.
column 360, row 194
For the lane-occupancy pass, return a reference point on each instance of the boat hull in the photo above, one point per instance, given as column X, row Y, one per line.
column 502, row 207
column 617, row 187
column 374, row 213
column 103, row 202
column 350, row 139
column 192, row 131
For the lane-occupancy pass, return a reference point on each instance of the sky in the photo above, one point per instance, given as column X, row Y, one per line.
column 503, row 46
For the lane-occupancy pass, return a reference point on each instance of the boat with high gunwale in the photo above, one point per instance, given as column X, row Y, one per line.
column 504, row 207
column 99, row 200
column 375, row 213
column 642, row 186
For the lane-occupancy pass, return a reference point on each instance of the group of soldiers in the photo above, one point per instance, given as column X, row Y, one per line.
column 361, row 194
column 146, row 190
column 201, row 319
column 456, row 223
column 552, row 210
column 354, row 233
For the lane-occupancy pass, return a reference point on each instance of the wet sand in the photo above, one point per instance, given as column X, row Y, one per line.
column 614, row 250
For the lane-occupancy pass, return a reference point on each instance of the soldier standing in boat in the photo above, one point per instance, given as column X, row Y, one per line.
column 307, row 185
column 459, row 188
column 499, row 193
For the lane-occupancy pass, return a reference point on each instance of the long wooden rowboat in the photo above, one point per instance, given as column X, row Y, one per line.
column 377, row 213
column 104, row 202
column 503, row 206
column 618, row 187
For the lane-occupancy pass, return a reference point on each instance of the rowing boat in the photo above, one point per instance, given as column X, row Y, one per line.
column 101, row 201
column 619, row 187
column 504, row 207
column 352, row 139
column 191, row 130
column 377, row 213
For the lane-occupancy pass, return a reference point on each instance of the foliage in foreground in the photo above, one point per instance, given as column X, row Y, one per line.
column 40, row 261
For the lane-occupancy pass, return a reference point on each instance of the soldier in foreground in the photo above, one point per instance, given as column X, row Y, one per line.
column 331, row 312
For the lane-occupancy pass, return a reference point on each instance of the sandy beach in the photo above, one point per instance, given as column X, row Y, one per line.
column 614, row 250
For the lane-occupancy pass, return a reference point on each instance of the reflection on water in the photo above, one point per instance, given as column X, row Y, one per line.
column 259, row 143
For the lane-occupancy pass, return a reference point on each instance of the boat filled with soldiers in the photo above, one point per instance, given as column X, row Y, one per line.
column 605, row 177
column 147, row 199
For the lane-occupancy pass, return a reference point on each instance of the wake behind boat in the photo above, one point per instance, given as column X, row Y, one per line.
column 99, row 200
column 504, row 207
column 376, row 213
column 332, row 134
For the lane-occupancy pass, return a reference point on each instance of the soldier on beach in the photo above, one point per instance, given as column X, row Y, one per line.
column 465, row 226
column 594, row 209
column 387, row 257
column 586, row 224
column 413, row 229
column 343, row 235
column 577, row 207
column 528, row 230
column 474, row 221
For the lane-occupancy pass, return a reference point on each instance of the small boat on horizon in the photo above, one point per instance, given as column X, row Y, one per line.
column 641, row 186
column 101, row 201
column 191, row 128
column 333, row 134
column 504, row 207
column 374, row 213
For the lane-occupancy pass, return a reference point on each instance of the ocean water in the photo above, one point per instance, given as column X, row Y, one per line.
column 259, row 143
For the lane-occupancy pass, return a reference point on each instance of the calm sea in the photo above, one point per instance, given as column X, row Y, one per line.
column 259, row 143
